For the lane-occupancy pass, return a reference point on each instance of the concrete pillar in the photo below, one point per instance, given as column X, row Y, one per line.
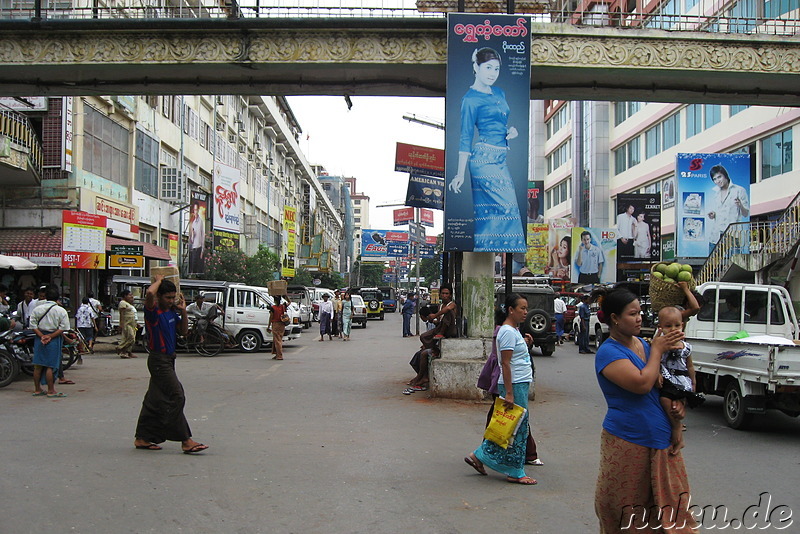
column 477, row 293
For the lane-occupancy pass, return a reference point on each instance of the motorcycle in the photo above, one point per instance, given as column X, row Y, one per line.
column 16, row 352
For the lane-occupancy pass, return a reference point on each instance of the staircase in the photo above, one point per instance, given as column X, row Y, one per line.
column 746, row 248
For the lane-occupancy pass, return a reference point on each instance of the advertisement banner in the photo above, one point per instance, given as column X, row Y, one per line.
column 173, row 248
column 638, row 227
column 595, row 258
column 373, row 243
column 83, row 242
column 198, row 215
column 403, row 215
column 425, row 192
column 487, row 110
column 223, row 239
column 419, row 160
column 536, row 256
column 426, row 217
column 668, row 192
column 535, row 201
column 227, row 206
column 559, row 248
column 288, row 264
column 121, row 218
column 713, row 191
column 668, row 247
column 430, row 240
column 126, row 257
column 396, row 236
column 397, row 249
column 426, row 251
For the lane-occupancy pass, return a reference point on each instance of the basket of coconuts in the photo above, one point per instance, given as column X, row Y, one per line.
column 664, row 289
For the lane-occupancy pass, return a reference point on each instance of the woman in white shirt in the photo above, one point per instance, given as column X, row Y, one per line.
column 516, row 371
column 641, row 239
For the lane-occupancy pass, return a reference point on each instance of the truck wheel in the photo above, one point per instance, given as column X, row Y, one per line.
column 598, row 336
column 733, row 407
column 537, row 322
column 548, row 350
column 249, row 341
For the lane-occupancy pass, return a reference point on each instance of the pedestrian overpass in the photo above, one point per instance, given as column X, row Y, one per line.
column 384, row 56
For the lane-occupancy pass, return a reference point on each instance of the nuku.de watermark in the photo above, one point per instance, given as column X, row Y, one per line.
column 755, row 517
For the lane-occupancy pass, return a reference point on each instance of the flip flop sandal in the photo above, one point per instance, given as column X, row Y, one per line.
column 419, row 388
column 475, row 464
column 196, row 449
column 149, row 447
column 534, row 462
column 57, row 395
column 408, row 391
column 40, row 394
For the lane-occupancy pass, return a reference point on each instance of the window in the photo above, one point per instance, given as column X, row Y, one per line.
column 694, row 120
column 627, row 155
column 672, row 131
column 738, row 109
column 558, row 120
column 171, row 186
column 105, row 147
column 146, row 164
column 357, row 220
column 558, row 157
column 776, row 154
column 557, row 194
column 662, row 136
column 713, row 114
column 623, row 110
column 652, row 141
column 146, row 237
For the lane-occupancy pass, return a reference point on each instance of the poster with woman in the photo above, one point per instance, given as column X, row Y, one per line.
column 594, row 256
column 638, row 227
column 487, row 110
column 198, row 214
column 713, row 192
column 559, row 248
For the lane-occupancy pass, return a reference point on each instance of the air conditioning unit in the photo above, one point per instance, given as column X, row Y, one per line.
column 220, row 126
column 220, row 101
column 264, row 172
column 232, row 138
column 250, row 157
column 242, row 149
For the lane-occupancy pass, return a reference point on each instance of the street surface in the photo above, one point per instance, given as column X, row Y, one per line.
column 324, row 442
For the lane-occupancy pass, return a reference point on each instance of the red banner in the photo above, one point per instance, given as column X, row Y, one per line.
column 404, row 215
column 396, row 236
column 430, row 239
column 419, row 160
column 426, row 217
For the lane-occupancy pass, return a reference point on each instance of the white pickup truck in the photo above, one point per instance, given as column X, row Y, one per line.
column 755, row 373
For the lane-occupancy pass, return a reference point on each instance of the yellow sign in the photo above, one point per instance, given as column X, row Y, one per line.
column 125, row 261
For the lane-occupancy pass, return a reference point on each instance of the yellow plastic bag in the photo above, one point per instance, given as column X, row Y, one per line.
column 504, row 424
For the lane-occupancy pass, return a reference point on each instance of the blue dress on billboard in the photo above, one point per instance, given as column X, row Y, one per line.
column 498, row 225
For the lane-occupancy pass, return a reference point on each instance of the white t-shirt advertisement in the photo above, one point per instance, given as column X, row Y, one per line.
column 227, row 204
column 713, row 193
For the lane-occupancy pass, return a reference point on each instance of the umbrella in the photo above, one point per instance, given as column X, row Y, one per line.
column 16, row 263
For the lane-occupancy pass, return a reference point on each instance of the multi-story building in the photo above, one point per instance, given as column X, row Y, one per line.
column 139, row 161
column 338, row 191
column 360, row 213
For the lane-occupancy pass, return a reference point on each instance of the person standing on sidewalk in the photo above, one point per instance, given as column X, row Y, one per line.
column 84, row 321
column 325, row 314
column 277, row 326
column 560, row 309
column 49, row 321
column 583, row 336
column 128, row 325
column 162, row 417
column 408, row 311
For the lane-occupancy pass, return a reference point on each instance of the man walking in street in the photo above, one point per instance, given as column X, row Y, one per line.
column 84, row 321
column 583, row 335
column 49, row 321
column 560, row 308
column 162, row 415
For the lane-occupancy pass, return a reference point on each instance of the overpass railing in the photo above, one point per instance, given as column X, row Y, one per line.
column 713, row 16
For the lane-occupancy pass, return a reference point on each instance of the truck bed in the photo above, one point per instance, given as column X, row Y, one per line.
column 775, row 365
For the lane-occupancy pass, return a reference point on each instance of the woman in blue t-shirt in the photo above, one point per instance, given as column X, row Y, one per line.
column 516, row 375
column 641, row 468
column 498, row 220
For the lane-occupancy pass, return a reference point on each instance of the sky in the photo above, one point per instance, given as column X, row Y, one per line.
column 361, row 142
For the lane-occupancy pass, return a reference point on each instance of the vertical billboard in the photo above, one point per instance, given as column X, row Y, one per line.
column 713, row 191
column 594, row 260
column 83, row 241
column 198, row 215
column 638, row 227
column 559, row 248
column 487, row 109
column 289, row 241
column 227, row 205
column 535, row 202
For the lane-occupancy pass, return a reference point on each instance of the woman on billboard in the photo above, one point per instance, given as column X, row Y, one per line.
column 729, row 204
column 498, row 225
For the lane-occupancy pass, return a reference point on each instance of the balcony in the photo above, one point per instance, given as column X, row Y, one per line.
column 20, row 151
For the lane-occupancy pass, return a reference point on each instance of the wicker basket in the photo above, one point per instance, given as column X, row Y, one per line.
column 666, row 293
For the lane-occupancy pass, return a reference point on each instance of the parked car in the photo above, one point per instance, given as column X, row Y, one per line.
column 540, row 321
column 300, row 296
column 389, row 298
column 373, row 297
column 359, row 311
column 598, row 331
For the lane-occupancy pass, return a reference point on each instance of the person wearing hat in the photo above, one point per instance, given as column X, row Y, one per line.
column 325, row 314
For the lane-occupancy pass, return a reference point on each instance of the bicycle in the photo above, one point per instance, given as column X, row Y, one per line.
column 205, row 337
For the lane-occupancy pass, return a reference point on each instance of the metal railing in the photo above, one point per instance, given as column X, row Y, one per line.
column 755, row 239
column 712, row 16
column 16, row 127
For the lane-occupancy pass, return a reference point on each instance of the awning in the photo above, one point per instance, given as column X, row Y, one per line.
column 38, row 244
column 154, row 252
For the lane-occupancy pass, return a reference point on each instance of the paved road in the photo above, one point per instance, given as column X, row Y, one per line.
column 324, row 442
